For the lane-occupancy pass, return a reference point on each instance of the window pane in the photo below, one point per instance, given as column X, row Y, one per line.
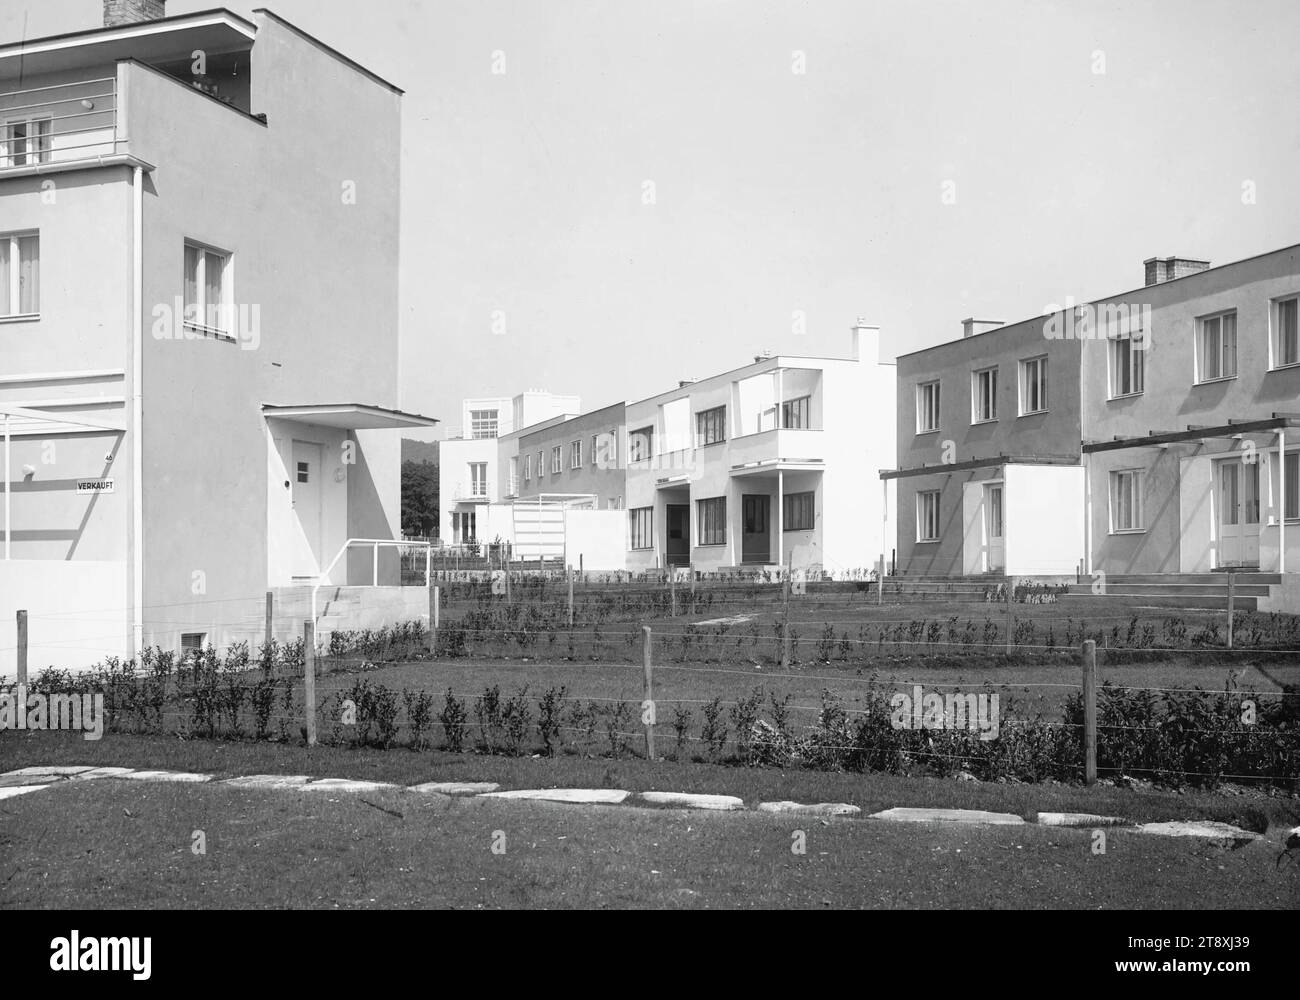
column 1138, row 360
column 29, row 274
column 1229, row 345
column 1288, row 345
column 1292, row 466
column 6, row 306
column 192, row 257
column 213, row 278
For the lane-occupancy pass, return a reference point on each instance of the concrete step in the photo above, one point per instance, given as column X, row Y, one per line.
column 1117, row 589
column 1146, row 600
column 1244, row 577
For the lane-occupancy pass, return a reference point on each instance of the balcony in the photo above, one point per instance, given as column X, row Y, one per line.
column 770, row 449
column 61, row 123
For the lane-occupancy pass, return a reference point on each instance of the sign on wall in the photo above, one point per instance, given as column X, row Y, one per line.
column 91, row 486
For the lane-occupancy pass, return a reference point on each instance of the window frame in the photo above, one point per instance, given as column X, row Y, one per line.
column 1218, row 317
column 477, row 422
column 28, row 157
column 575, row 454
column 1138, row 501
column 713, row 511
column 992, row 371
column 922, row 521
column 711, row 426
column 1291, row 511
column 202, row 307
column 474, row 490
column 648, row 434
column 1136, row 349
column 15, row 240
column 557, row 459
column 924, row 409
column 798, row 405
column 1275, row 332
column 641, row 521
column 803, row 502
column 1039, row 361
column 528, row 467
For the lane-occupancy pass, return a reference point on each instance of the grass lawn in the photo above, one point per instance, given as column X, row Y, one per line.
column 128, row 845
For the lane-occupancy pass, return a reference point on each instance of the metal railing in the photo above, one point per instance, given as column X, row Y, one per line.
column 58, row 123
column 375, row 545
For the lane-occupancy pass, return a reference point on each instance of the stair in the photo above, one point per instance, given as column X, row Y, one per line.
column 1193, row 591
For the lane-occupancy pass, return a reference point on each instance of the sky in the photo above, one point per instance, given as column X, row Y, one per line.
column 603, row 198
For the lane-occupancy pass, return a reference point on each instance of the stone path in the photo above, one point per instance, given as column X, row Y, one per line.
column 26, row 780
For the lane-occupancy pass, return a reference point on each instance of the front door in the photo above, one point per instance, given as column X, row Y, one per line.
column 1237, row 513
column 756, row 537
column 994, row 528
column 305, row 478
column 679, row 534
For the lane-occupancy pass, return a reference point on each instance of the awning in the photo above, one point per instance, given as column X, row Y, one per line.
column 1194, row 432
column 992, row 462
column 348, row 416
column 779, row 465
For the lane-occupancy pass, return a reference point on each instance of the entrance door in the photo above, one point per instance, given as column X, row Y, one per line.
column 679, row 534
column 994, row 529
column 305, row 477
column 756, row 536
column 1237, row 513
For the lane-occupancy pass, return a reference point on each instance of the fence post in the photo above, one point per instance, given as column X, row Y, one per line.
column 510, row 597
column 309, row 678
column 785, row 625
column 880, row 581
column 1232, row 594
column 435, row 608
column 570, row 576
column 1090, row 712
column 648, row 703
column 1011, row 596
column 22, row 648
column 672, row 591
column 270, row 619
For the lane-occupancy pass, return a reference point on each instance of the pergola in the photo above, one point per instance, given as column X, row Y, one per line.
column 24, row 422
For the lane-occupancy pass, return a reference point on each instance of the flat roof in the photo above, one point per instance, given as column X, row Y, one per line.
column 1108, row 298
column 776, row 361
column 348, row 416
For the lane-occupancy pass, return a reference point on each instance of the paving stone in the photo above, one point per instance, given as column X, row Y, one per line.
column 810, row 808
column 102, row 772
column 909, row 815
column 596, row 795
column 691, row 800
column 53, row 770
column 13, row 791
column 455, row 787
column 180, row 776
column 270, row 781
column 1078, row 819
column 1200, row 828
column 345, row 785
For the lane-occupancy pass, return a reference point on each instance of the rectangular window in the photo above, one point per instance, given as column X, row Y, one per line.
column 927, row 407
column 528, row 468
column 575, row 455
column 192, row 644
column 207, row 290
column 712, row 515
column 984, row 395
column 20, row 274
column 1286, row 334
column 796, row 414
column 927, row 516
column 1033, row 386
column 797, row 512
column 710, row 426
column 1291, row 467
column 1126, row 500
column 514, row 475
column 640, row 444
column 26, row 142
column 642, row 524
column 1127, row 366
column 1216, row 347
column 483, row 423
column 478, row 479
column 604, row 450
column 557, row 459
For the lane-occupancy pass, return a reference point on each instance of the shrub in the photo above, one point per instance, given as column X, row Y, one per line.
column 455, row 720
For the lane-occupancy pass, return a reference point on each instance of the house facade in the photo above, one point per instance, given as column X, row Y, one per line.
column 1152, row 432
column 771, row 465
column 199, row 390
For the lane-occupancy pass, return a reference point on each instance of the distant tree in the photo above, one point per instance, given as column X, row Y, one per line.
column 420, row 498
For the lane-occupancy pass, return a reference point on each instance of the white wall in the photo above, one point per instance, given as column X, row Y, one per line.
column 596, row 539
column 76, row 613
column 287, row 548
column 1043, row 519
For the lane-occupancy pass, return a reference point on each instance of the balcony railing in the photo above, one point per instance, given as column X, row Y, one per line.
column 58, row 123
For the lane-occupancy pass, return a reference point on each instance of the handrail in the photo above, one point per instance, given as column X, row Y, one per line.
column 375, row 543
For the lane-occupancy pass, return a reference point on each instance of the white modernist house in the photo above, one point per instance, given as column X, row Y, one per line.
column 773, row 464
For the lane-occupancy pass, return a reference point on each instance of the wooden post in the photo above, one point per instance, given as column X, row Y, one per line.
column 1090, row 712
column 1232, row 594
column 510, row 599
column 880, row 581
column 309, row 678
column 648, row 705
column 570, row 574
column 672, row 591
column 435, row 598
column 22, row 648
column 785, row 626
column 1011, row 596
column 270, row 620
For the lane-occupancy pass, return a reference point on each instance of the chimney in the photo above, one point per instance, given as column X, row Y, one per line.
column 683, row 383
column 972, row 327
column 866, row 342
column 1160, row 270
column 120, row 12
